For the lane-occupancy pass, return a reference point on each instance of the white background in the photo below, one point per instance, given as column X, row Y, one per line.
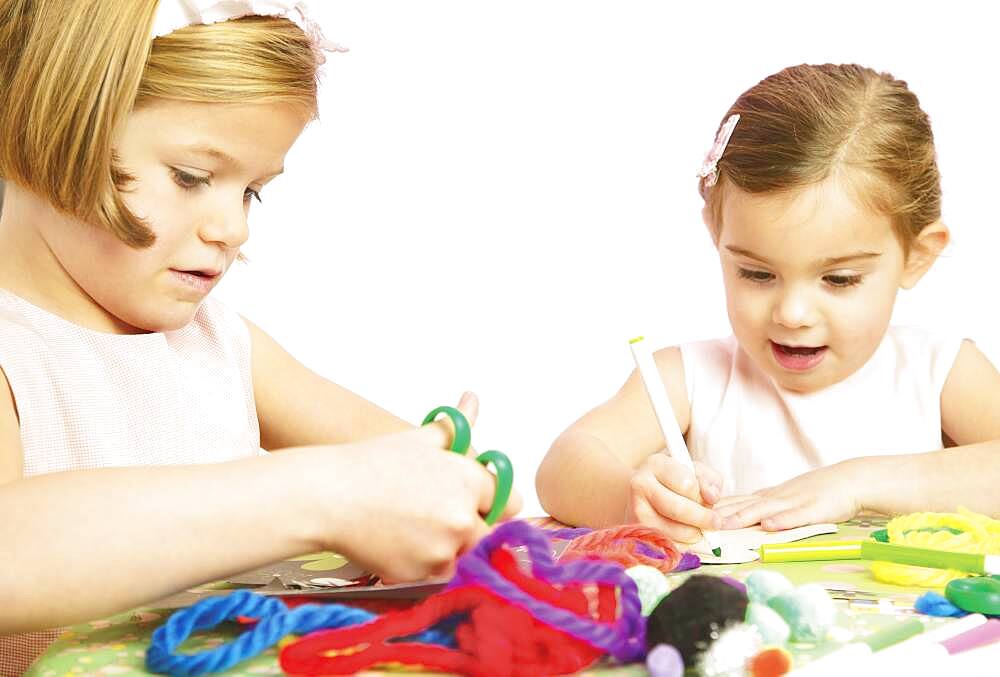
column 499, row 195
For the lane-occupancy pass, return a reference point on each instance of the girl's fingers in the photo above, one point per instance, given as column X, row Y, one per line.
column 437, row 434
column 680, row 533
column 733, row 500
column 710, row 481
column 440, row 433
column 675, row 476
column 514, row 505
column 487, row 487
column 788, row 519
column 730, row 508
column 468, row 404
column 681, row 509
column 481, row 529
column 709, row 494
column 754, row 513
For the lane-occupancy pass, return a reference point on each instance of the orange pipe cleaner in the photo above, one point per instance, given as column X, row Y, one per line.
column 624, row 545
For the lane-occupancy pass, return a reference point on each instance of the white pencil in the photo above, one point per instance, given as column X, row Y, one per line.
column 657, row 392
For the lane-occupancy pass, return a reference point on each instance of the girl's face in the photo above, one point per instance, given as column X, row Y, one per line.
column 811, row 278
column 198, row 168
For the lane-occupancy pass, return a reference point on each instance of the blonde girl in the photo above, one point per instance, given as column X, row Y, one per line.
column 134, row 408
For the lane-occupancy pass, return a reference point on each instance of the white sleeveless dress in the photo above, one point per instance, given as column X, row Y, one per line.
column 758, row 435
column 88, row 399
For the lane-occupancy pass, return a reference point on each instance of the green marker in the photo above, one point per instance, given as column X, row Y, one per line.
column 929, row 557
column 807, row 551
column 657, row 392
column 810, row 551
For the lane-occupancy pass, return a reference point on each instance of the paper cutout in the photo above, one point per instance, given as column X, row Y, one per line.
column 299, row 577
column 404, row 591
column 294, row 576
column 739, row 546
column 300, row 569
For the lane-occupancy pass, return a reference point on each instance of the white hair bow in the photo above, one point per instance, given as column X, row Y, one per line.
column 172, row 15
column 710, row 167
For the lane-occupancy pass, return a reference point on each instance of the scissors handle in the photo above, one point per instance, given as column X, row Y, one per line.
column 463, row 432
column 502, row 466
column 505, row 482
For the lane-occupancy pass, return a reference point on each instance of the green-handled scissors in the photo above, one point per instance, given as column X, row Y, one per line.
column 501, row 464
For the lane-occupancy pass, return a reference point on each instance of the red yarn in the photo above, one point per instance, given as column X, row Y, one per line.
column 498, row 638
column 621, row 545
column 572, row 598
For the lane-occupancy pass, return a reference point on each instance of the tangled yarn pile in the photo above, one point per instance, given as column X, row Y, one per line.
column 551, row 618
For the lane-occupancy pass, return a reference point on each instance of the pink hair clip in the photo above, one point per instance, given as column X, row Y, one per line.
column 710, row 168
column 172, row 15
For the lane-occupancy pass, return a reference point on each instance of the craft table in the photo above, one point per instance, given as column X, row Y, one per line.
column 116, row 645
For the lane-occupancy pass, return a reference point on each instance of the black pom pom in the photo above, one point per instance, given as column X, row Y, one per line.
column 688, row 616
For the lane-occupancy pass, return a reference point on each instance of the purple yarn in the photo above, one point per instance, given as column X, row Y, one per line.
column 689, row 561
column 648, row 550
column 625, row 639
column 568, row 534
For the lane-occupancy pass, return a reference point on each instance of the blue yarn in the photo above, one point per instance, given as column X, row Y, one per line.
column 275, row 621
column 934, row 604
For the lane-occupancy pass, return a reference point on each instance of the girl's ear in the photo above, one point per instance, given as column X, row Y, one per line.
column 923, row 252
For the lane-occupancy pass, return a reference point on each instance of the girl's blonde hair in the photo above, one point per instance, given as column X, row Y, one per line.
column 72, row 70
column 806, row 123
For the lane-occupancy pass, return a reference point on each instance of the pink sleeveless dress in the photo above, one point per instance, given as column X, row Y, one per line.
column 88, row 399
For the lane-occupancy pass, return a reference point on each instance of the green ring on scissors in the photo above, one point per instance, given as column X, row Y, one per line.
column 463, row 433
column 979, row 594
column 505, row 482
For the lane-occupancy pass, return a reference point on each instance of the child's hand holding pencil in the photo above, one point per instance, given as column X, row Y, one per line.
column 667, row 495
column 689, row 487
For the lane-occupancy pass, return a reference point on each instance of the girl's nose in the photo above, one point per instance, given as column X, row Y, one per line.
column 227, row 226
column 794, row 309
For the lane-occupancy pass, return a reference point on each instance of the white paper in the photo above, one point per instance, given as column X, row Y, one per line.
column 739, row 546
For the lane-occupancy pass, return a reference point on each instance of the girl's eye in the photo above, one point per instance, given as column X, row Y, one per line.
column 759, row 276
column 188, row 181
column 842, row 280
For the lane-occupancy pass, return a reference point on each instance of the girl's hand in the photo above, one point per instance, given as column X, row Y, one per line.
column 406, row 507
column 664, row 494
column 830, row 494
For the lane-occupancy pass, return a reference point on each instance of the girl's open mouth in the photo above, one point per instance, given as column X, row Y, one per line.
column 200, row 281
column 797, row 358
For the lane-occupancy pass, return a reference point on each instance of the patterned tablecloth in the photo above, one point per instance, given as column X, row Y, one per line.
column 116, row 645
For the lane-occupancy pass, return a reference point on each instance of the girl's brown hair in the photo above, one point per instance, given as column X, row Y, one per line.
column 810, row 122
column 72, row 70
